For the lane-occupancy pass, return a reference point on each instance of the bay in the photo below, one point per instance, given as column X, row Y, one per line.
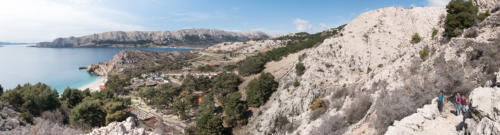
column 57, row 67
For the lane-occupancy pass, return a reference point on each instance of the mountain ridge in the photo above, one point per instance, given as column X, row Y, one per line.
column 198, row 38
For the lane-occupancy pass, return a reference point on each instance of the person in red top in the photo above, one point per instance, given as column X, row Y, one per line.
column 458, row 102
column 464, row 103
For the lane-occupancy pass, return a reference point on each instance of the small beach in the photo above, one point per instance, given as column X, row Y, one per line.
column 95, row 85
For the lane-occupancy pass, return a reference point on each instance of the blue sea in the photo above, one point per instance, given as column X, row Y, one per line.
column 57, row 67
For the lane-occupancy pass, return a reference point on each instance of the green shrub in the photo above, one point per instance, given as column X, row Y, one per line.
column 1, row 90
column 484, row 15
column 209, row 124
column 235, row 110
column 434, row 32
column 230, row 67
column 115, row 111
column 72, row 97
column 380, row 65
column 159, row 97
column 296, row 83
column 415, row 38
column 88, row 112
column 33, row 98
column 252, row 65
column 116, row 84
column 300, row 69
column 461, row 15
column 207, row 68
column 225, row 83
column 297, row 42
column 424, row 53
column 27, row 117
column 260, row 89
column 280, row 122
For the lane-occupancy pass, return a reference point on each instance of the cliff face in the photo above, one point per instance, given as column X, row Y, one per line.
column 186, row 38
column 137, row 60
column 372, row 74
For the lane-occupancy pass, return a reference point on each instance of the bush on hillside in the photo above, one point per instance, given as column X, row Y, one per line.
column 461, row 15
column 72, row 97
column 225, row 83
column 281, row 123
column 202, row 83
column 297, row 42
column 415, row 38
column 434, row 32
column 235, row 110
column 159, row 97
column 209, row 124
column 296, row 83
column 300, row 69
column 115, row 111
column 26, row 117
column 260, row 89
column 424, row 53
column 251, row 65
column 116, row 84
column 33, row 98
column 89, row 113
column 484, row 15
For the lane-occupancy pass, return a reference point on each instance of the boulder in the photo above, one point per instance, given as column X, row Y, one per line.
column 484, row 127
column 127, row 127
column 485, row 102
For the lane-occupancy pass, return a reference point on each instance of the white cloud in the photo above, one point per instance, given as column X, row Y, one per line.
column 437, row 2
column 44, row 20
column 302, row 25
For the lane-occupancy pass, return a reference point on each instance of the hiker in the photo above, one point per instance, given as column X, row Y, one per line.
column 458, row 102
column 440, row 101
column 464, row 103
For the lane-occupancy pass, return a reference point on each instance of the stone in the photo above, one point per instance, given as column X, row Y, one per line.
column 486, row 102
column 127, row 127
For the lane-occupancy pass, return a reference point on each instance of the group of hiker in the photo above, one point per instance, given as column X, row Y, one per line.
column 460, row 103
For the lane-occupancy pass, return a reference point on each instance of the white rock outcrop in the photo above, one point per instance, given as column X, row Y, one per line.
column 484, row 120
column 373, row 53
column 487, row 4
column 127, row 127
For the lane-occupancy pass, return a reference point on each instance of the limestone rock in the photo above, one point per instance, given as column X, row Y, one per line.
column 127, row 127
column 484, row 127
column 486, row 102
column 487, row 4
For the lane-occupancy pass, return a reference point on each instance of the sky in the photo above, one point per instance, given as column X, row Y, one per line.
column 45, row 20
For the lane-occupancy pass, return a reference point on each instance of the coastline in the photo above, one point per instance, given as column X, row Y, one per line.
column 95, row 85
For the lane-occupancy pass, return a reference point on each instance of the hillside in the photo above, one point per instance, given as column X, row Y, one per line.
column 137, row 61
column 199, row 38
column 373, row 74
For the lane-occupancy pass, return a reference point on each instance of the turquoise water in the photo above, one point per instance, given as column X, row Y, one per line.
column 57, row 67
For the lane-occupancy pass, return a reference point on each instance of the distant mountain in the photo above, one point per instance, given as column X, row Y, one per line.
column 9, row 43
column 184, row 38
